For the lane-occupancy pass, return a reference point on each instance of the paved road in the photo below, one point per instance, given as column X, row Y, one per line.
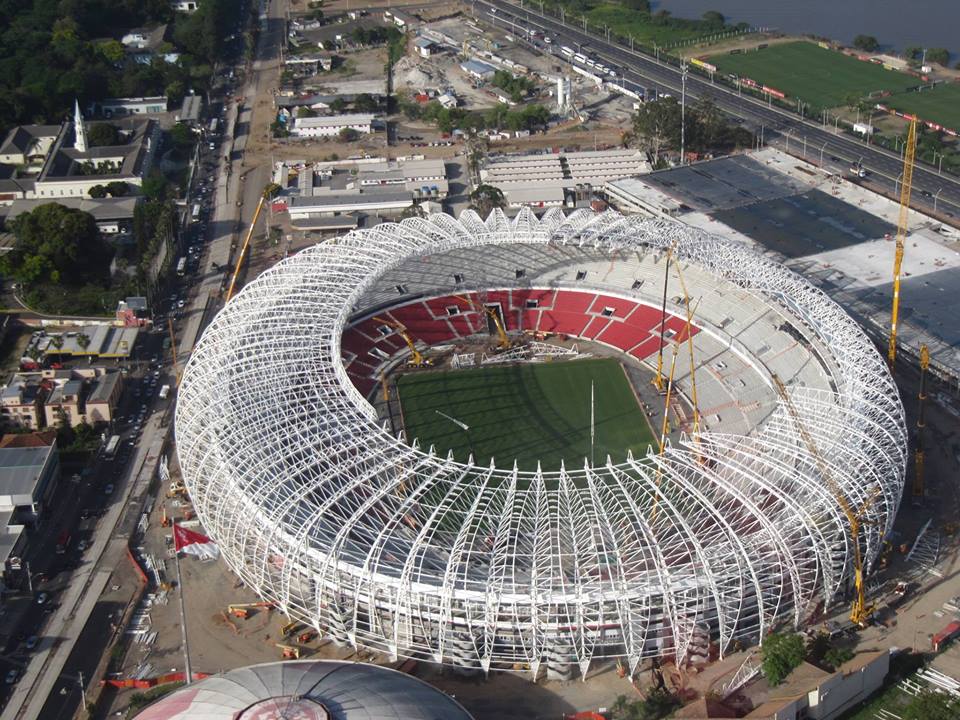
column 783, row 128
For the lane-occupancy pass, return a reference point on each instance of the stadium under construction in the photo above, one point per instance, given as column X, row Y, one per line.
column 758, row 496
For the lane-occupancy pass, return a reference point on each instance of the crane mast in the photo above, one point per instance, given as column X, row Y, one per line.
column 918, row 456
column 860, row 611
column 905, row 187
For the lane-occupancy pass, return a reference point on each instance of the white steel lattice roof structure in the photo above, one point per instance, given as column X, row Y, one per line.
column 386, row 545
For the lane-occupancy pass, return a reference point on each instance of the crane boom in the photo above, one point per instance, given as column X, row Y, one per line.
column 860, row 610
column 504, row 340
column 919, row 457
column 246, row 244
column 416, row 356
column 693, row 364
column 905, row 187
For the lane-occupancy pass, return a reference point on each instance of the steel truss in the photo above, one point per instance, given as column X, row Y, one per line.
column 394, row 548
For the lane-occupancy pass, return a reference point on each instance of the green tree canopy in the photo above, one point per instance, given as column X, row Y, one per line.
column 117, row 188
column 485, row 198
column 103, row 134
column 931, row 705
column 714, row 18
column 182, row 136
column 940, row 56
column 97, row 191
column 365, row 102
column 657, row 125
column 58, row 245
column 781, row 653
column 348, row 134
column 867, row 43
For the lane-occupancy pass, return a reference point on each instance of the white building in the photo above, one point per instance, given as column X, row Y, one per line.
column 424, row 47
column 329, row 126
column 187, row 6
column 119, row 107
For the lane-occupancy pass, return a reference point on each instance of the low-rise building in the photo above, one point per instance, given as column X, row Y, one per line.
column 64, row 405
column 133, row 312
column 29, row 471
column 548, row 179
column 113, row 216
column 105, row 341
column 121, row 107
column 103, row 398
column 332, row 125
column 53, row 162
column 21, row 401
column 424, row 47
column 191, row 109
column 478, row 70
column 186, row 6
column 401, row 19
column 145, row 44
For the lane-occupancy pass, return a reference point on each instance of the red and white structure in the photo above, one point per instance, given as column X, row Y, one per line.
column 384, row 544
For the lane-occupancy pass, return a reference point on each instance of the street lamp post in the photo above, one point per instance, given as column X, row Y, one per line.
column 788, row 134
column 936, row 196
column 896, row 184
column 821, row 151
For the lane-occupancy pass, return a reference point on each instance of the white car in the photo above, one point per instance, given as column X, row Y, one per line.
column 12, row 676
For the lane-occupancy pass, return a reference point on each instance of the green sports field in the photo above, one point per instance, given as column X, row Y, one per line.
column 527, row 412
column 824, row 78
column 940, row 105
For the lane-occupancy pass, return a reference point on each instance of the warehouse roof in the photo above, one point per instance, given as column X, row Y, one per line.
column 335, row 120
column 21, row 467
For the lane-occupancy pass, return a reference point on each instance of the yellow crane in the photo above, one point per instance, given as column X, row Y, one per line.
column 918, row 456
column 693, row 364
column 504, row 340
column 860, row 611
column 658, row 378
column 664, row 430
column 905, row 187
column 246, row 244
column 416, row 357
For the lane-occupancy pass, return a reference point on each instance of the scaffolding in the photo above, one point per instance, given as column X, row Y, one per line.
column 389, row 546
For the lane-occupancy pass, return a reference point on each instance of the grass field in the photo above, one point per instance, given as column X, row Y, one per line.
column 824, row 78
column 527, row 412
column 940, row 105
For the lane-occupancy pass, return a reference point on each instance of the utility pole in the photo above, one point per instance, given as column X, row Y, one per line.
column 683, row 111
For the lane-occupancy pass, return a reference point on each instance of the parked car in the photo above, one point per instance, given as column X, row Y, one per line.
column 31, row 642
column 108, row 489
column 42, row 598
column 12, row 676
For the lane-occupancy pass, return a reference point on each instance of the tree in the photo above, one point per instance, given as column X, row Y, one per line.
column 658, row 124
column 182, row 136
column 57, row 341
column 657, row 703
column 638, row 5
column 348, row 134
column 103, row 134
column 365, row 102
column 56, row 244
column 867, row 43
column 837, row 656
column 485, row 198
column 117, row 188
column 338, row 105
column 83, row 341
column 931, row 705
column 940, row 56
column 714, row 18
column 913, row 52
column 781, row 652
column 97, row 191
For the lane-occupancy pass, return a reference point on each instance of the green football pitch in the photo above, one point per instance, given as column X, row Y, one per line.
column 940, row 105
column 526, row 412
column 824, row 78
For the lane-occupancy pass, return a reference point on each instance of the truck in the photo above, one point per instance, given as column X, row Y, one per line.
column 112, row 444
column 164, row 392
column 946, row 635
column 63, row 542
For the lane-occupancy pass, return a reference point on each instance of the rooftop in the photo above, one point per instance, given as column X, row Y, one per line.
column 102, row 209
column 335, row 120
column 20, row 468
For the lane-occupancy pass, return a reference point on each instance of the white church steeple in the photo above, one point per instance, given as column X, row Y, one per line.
column 79, row 131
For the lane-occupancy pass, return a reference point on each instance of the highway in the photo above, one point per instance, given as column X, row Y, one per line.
column 777, row 126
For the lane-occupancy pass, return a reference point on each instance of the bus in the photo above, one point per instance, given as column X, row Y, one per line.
column 195, row 213
column 164, row 392
column 182, row 266
column 112, row 446
column 564, row 50
column 63, row 542
column 214, row 126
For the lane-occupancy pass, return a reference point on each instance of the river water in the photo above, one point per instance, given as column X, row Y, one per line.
column 895, row 23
